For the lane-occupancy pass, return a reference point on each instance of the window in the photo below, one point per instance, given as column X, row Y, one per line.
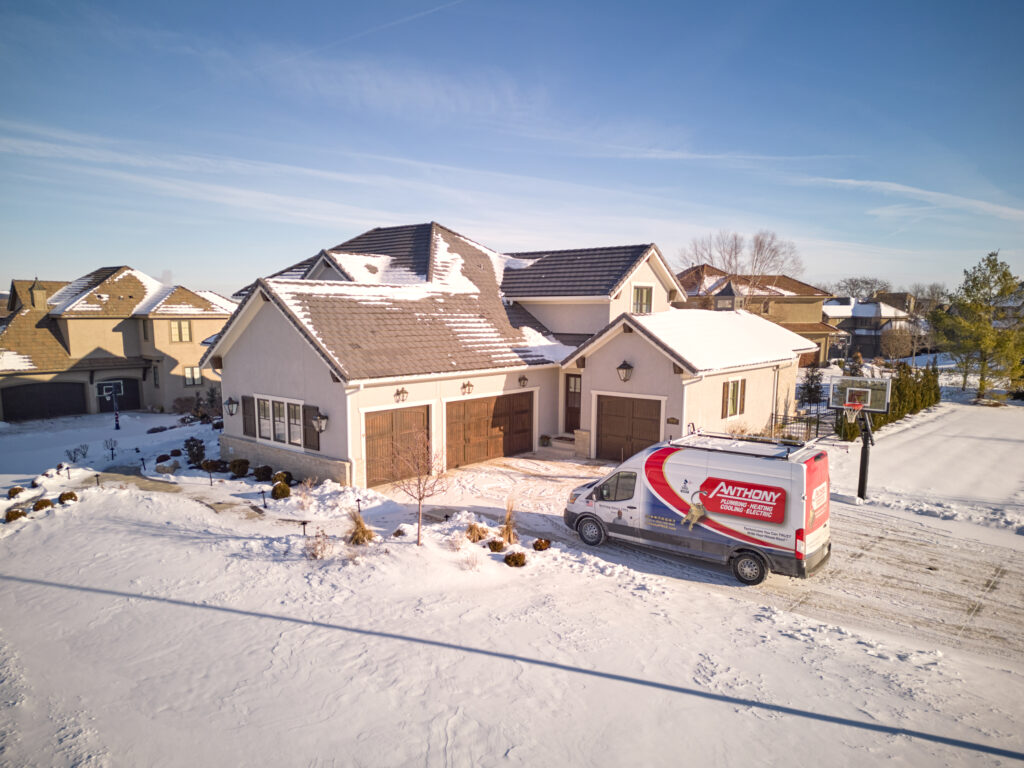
column 643, row 297
column 278, row 411
column 263, row 408
column 618, row 487
column 181, row 330
column 156, row 377
column 294, row 423
column 145, row 330
column 193, row 377
column 734, row 395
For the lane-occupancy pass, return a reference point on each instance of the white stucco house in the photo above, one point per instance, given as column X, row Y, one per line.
column 337, row 363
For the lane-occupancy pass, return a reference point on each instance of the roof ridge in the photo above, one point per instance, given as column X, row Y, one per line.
column 578, row 250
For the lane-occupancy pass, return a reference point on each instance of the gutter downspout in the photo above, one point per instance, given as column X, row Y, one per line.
column 682, row 413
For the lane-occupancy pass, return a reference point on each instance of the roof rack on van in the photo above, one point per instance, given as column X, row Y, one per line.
column 789, row 444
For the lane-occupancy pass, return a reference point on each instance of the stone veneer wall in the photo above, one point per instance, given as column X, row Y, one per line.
column 301, row 465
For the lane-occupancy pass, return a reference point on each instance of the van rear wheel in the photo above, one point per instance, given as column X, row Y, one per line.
column 749, row 568
column 591, row 531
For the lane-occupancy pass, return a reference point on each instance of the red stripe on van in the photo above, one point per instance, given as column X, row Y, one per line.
column 654, row 471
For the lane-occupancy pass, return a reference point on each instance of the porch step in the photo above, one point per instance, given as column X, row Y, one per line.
column 562, row 444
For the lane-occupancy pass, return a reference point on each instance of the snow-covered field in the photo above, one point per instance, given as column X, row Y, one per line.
column 165, row 621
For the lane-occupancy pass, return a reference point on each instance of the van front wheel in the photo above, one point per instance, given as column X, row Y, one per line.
column 590, row 531
column 749, row 568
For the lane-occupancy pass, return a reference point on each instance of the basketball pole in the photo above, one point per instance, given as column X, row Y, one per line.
column 867, row 440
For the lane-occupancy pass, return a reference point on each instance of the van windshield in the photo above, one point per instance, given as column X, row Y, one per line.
column 618, row 487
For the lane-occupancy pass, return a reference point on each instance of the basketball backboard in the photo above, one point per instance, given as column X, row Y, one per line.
column 108, row 388
column 873, row 394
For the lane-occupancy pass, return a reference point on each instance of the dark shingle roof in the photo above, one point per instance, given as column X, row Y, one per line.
column 580, row 272
column 409, row 247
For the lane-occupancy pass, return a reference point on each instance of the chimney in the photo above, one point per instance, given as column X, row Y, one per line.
column 37, row 295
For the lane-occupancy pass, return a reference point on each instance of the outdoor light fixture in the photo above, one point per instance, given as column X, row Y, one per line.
column 320, row 422
column 625, row 371
column 467, row 387
column 523, row 381
column 231, row 405
column 401, row 395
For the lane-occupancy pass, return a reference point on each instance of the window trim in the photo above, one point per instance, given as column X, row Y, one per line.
column 176, row 328
column 289, row 442
column 736, row 387
column 637, row 287
column 197, row 376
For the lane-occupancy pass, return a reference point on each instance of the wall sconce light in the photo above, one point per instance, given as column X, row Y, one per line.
column 401, row 395
column 467, row 387
column 320, row 422
column 231, row 405
column 625, row 371
column 523, row 380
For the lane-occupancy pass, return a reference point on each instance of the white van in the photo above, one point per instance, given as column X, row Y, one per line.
column 756, row 504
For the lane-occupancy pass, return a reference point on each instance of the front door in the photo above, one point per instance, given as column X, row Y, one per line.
column 573, row 398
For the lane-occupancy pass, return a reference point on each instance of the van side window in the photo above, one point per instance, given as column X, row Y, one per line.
column 618, row 487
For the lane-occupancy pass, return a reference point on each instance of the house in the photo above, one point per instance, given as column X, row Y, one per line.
column 795, row 305
column 865, row 320
column 341, row 364
column 65, row 345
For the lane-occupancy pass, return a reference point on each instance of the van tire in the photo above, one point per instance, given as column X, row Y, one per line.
column 591, row 531
column 749, row 568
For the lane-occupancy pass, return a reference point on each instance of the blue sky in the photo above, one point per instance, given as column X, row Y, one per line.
column 210, row 143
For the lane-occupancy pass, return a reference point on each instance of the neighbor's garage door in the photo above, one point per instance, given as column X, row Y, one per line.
column 128, row 400
column 489, row 427
column 43, row 401
column 393, row 439
column 626, row 425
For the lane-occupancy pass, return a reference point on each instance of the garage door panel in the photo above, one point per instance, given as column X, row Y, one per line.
column 392, row 434
column 626, row 425
column 489, row 427
column 44, row 400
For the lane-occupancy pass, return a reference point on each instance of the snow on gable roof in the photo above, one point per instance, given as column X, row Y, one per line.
column 369, row 332
column 846, row 306
column 706, row 341
column 372, row 269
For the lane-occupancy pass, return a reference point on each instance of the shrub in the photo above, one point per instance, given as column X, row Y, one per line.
column 280, row 491
column 515, row 559
column 11, row 493
column 476, row 532
column 496, row 545
column 195, row 449
column 42, row 504
column 304, row 493
column 284, row 476
column 263, row 473
column 361, row 532
column 209, row 465
column 541, row 544
column 222, row 466
column 162, row 458
column 175, row 452
column 14, row 514
column 154, row 430
column 68, row 496
column 319, row 545
column 398, row 532
column 508, row 529
column 239, row 467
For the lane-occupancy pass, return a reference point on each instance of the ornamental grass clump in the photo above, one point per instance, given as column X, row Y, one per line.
column 42, row 504
column 280, row 491
column 361, row 532
column 508, row 528
column 14, row 514
column 515, row 559
column 68, row 496
column 476, row 532
column 11, row 493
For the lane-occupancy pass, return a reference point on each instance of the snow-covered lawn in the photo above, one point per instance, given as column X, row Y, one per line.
column 141, row 627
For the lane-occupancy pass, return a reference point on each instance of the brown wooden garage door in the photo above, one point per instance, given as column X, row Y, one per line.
column 43, row 401
column 391, row 435
column 489, row 427
column 626, row 425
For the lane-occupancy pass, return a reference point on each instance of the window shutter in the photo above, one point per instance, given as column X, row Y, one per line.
column 725, row 399
column 248, row 416
column 743, row 394
column 310, row 437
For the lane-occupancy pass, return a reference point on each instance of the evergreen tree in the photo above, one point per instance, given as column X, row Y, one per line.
column 811, row 389
column 854, row 365
column 983, row 330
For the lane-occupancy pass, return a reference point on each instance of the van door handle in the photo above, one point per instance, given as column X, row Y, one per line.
column 630, row 507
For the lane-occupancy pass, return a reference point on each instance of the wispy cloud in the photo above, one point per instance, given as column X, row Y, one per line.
column 938, row 199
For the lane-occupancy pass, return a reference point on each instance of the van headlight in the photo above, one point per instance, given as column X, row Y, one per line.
column 574, row 495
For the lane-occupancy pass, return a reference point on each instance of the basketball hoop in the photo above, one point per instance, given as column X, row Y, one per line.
column 850, row 410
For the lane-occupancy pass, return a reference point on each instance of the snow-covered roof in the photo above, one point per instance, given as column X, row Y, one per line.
column 706, row 341
column 853, row 307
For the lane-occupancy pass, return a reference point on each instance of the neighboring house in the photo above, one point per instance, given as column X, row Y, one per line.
column 61, row 342
column 337, row 365
column 865, row 320
column 795, row 305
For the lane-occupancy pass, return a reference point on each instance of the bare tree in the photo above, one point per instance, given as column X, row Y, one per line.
column 861, row 287
column 422, row 470
column 764, row 254
column 897, row 343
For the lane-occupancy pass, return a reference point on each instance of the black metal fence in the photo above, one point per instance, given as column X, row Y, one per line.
column 804, row 426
